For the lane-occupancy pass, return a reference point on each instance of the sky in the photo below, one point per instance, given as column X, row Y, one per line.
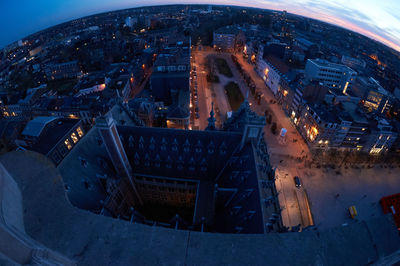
column 377, row 19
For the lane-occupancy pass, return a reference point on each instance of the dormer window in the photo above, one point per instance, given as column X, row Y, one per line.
column 171, row 68
column 181, row 68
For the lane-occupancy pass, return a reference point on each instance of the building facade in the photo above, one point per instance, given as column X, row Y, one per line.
column 332, row 75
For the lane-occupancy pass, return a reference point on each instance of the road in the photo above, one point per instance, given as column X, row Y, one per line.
column 204, row 93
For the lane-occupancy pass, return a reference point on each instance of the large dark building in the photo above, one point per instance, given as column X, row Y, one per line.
column 198, row 180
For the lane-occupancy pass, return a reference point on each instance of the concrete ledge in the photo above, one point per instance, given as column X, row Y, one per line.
column 91, row 239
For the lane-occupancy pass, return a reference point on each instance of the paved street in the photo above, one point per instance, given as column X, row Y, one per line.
column 203, row 90
column 362, row 188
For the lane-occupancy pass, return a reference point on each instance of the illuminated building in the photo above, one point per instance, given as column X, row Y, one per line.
column 52, row 136
column 228, row 38
column 317, row 125
column 381, row 138
column 375, row 98
column 332, row 75
column 273, row 71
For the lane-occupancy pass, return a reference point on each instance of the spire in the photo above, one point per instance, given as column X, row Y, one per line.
column 211, row 119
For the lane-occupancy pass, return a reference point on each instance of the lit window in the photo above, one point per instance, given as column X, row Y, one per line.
column 74, row 137
column 68, row 144
column 80, row 132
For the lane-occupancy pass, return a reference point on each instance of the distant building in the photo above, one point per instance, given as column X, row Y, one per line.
column 36, row 50
column 169, row 84
column 277, row 49
column 229, row 38
column 318, row 125
column 381, row 137
column 63, row 71
column 352, row 128
column 273, row 71
column 129, row 22
column 375, row 97
column 310, row 49
column 343, row 127
column 332, row 75
column 353, row 62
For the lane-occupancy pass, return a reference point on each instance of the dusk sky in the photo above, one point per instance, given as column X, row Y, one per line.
column 378, row 19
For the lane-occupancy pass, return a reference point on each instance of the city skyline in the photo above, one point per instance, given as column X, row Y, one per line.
column 371, row 18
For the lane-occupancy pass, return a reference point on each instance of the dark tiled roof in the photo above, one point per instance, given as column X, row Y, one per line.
column 240, row 174
column 53, row 135
column 178, row 153
column 178, row 111
column 88, row 161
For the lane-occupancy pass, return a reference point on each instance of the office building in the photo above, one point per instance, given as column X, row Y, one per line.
column 332, row 75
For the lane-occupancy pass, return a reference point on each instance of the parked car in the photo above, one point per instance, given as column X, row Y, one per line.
column 297, row 181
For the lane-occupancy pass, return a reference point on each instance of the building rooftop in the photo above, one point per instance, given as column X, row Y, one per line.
column 227, row 30
column 174, row 57
column 353, row 112
column 35, row 127
column 50, row 137
column 325, row 63
column 326, row 115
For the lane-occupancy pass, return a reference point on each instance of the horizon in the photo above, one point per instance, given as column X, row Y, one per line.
column 55, row 15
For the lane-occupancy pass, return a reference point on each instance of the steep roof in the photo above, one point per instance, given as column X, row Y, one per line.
column 35, row 127
column 180, row 153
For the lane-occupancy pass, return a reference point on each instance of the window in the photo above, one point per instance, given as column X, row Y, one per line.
column 80, row 132
column 56, row 157
column 67, row 143
column 74, row 137
column 171, row 68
